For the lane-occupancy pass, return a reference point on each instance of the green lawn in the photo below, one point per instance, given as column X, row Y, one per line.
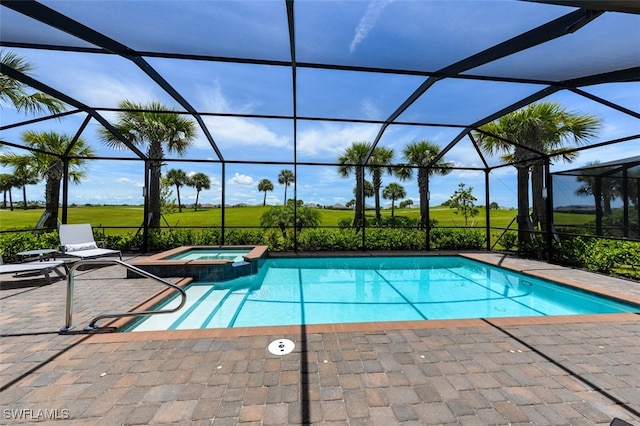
column 132, row 217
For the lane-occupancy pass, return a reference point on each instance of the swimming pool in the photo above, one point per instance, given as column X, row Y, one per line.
column 292, row 291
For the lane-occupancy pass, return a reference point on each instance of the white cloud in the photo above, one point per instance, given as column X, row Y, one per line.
column 240, row 179
column 370, row 109
column 368, row 21
column 331, row 138
column 126, row 180
column 236, row 130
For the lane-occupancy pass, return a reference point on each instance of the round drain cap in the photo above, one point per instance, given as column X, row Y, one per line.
column 281, row 346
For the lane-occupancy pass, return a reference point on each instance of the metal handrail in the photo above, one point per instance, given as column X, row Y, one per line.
column 92, row 325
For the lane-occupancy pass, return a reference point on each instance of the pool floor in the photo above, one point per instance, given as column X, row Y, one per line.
column 339, row 290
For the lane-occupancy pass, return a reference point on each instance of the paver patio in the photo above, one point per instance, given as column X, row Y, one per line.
column 582, row 370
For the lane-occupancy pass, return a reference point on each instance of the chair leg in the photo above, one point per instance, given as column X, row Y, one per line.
column 59, row 272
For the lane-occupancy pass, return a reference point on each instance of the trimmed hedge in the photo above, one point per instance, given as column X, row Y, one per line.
column 613, row 257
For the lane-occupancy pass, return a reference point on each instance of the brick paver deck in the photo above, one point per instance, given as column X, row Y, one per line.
column 543, row 371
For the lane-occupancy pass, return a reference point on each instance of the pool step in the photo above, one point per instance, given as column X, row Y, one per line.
column 164, row 322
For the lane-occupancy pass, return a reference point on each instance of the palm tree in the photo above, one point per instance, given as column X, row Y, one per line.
column 6, row 184
column 393, row 192
column 352, row 161
column 159, row 128
column 25, row 176
column 420, row 155
column 178, row 178
column 16, row 92
column 264, row 186
column 200, row 181
column 380, row 162
column 285, row 178
column 49, row 164
column 543, row 127
column 609, row 190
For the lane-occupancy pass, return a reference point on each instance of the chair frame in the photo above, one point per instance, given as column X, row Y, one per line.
column 79, row 235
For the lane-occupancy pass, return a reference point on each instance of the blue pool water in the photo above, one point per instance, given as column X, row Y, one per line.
column 346, row 290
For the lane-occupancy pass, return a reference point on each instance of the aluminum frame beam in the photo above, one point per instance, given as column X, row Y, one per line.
column 51, row 17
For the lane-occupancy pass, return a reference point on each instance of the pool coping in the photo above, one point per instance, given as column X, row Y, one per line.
column 202, row 269
column 300, row 330
column 256, row 252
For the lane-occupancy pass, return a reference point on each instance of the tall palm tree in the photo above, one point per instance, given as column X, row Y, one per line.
column 420, row 155
column 264, row 186
column 17, row 93
column 158, row 128
column 286, row 178
column 48, row 161
column 393, row 192
column 379, row 163
column 352, row 161
column 200, row 181
column 178, row 178
column 543, row 127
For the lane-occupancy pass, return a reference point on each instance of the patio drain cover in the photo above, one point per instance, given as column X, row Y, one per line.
column 281, row 346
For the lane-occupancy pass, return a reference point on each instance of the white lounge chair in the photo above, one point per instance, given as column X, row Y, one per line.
column 43, row 268
column 77, row 240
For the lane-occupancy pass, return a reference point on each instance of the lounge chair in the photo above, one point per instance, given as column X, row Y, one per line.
column 77, row 240
column 43, row 268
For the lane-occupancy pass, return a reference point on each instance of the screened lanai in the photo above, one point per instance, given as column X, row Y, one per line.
column 611, row 190
column 291, row 84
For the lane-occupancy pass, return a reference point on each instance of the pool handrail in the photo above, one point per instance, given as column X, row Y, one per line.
column 92, row 325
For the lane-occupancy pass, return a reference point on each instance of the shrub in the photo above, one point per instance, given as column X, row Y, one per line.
column 13, row 243
column 318, row 239
column 395, row 239
column 457, row 239
column 509, row 240
column 614, row 257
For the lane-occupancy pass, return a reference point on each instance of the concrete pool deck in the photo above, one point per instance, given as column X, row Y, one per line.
column 582, row 370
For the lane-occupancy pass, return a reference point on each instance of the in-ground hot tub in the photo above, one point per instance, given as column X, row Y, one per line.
column 204, row 263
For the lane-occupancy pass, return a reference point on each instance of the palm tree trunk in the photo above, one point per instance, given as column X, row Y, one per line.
column 357, row 220
column 377, row 183
column 424, row 203
column 154, row 193
column 524, row 237
column 52, row 196
column 539, row 203
column 196, row 205
column 264, row 200
column 52, row 193
column 10, row 201
column 178, row 195
column 24, row 196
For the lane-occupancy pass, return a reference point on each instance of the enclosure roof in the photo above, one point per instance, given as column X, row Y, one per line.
column 450, row 66
column 624, row 167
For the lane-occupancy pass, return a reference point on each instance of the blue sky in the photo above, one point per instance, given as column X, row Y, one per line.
column 371, row 33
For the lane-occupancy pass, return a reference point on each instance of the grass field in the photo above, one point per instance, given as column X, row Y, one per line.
column 132, row 216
